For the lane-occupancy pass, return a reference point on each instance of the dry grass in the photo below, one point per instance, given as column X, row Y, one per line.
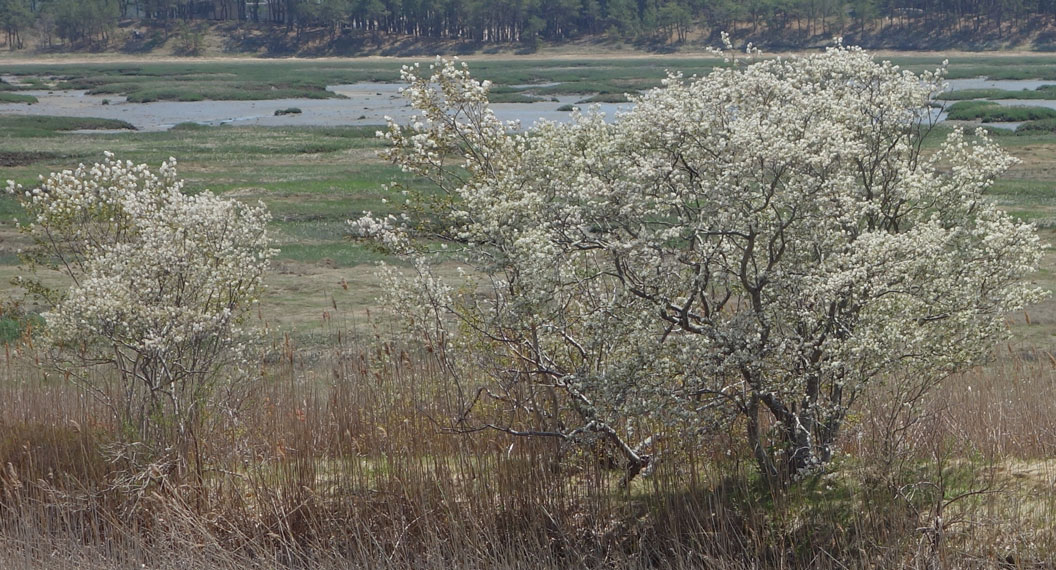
column 336, row 459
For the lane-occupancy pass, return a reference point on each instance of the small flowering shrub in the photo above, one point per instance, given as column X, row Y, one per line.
column 746, row 249
column 160, row 285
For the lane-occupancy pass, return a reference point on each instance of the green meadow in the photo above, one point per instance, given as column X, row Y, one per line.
column 313, row 179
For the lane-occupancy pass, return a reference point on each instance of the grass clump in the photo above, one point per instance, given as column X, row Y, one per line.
column 287, row 111
column 48, row 125
column 990, row 112
column 1038, row 126
column 968, row 94
column 1045, row 92
column 8, row 97
column 514, row 98
column 190, row 126
column 605, row 98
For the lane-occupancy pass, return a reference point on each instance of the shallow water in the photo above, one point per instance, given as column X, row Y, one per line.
column 365, row 104
column 1008, row 85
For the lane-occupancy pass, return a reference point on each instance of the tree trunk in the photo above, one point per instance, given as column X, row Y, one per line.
column 759, row 448
column 804, row 436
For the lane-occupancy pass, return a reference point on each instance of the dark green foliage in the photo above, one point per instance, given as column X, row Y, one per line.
column 87, row 23
column 10, row 329
column 326, row 26
column 15, row 321
column 14, row 325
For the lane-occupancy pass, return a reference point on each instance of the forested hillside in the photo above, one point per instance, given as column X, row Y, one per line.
column 92, row 23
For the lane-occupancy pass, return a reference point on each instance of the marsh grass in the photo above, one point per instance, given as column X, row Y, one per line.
column 1041, row 126
column 605, row 98
column 8, row 97
column 515, row 79
column 338, row 459
column 251, row 80
column 28, row 126
column 996, row 67
column 261, row 80
column 1043, row 92
column 991, row 112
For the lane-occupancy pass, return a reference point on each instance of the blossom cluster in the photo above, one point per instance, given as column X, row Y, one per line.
column 768, row 237
column 160, row 278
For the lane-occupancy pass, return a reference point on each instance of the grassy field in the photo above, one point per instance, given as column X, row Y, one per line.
column 337, row 457
column 314, row 179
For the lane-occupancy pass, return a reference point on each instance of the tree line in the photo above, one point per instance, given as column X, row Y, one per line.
column 504, row 21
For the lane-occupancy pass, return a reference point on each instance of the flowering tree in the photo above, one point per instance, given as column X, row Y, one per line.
column 160, row 283
column 759, row 243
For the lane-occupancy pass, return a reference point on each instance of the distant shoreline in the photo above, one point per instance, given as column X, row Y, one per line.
column 8, row 58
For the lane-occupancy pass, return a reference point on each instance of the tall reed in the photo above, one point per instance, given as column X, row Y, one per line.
column 339, row 457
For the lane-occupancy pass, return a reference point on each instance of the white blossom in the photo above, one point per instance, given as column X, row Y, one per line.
column 161, row 281
column 768, row 238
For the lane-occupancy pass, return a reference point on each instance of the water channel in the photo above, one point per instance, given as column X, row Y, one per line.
column 362, row 104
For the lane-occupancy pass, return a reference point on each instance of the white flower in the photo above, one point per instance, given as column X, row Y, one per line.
column 160, row 279
column 767, row 237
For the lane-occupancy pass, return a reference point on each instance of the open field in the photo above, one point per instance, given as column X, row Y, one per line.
column 315, row 178
column 338, row 456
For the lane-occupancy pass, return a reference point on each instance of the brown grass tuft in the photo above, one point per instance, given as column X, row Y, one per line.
column 336, row 460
